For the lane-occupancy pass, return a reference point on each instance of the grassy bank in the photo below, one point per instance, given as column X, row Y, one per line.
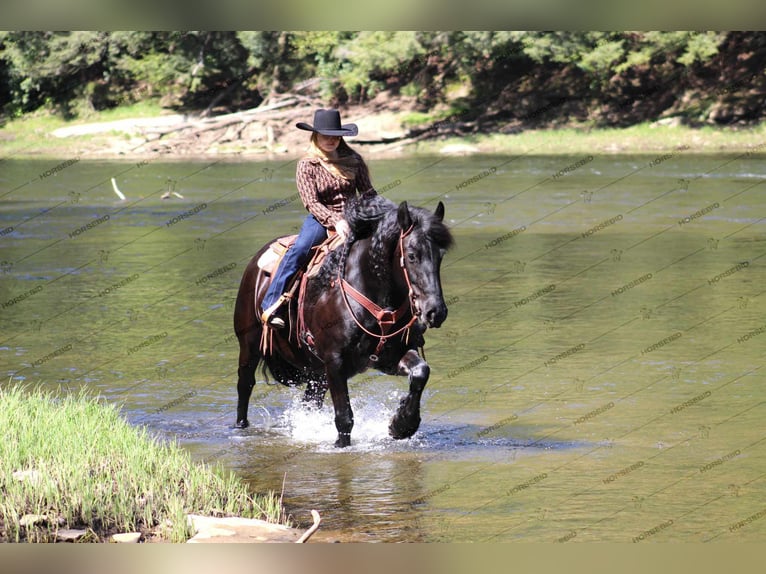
column 87, row 468
column 638, row 139
column 29, row 137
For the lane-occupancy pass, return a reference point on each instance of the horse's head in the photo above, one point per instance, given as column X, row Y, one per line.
column 424, row 241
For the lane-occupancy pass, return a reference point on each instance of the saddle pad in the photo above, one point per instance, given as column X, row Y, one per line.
column 270, row 258
column 273, row 255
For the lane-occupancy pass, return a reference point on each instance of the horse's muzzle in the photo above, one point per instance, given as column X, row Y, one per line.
column 435, row 315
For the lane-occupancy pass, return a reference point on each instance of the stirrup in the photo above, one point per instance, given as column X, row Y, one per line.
column 270, row 319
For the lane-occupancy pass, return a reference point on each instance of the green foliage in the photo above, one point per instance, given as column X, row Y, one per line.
column 91, row 469
column 51, row 67
column 603, row 57
column 558, row 47
column 700, row 47
column 367, row 59
column 317, row 45
column 615, row 52
column 71, row 71
column 317, row 49
column 103, row 69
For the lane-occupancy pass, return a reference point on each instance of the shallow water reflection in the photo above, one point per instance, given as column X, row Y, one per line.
column 599, row 375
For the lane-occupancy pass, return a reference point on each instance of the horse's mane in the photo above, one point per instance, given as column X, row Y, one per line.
column 376, row 217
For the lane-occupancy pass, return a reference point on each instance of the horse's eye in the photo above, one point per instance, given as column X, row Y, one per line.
column 411, row 257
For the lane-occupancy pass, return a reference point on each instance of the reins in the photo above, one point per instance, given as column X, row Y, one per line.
column 386, row 318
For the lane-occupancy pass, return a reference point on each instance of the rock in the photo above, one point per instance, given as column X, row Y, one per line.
column 31, row 519
column 127, row 537
column 673, row 121
column 459, row 149
column 70, row 535
column 235, row 529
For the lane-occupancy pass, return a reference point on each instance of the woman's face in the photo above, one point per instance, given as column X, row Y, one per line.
column 328, row 144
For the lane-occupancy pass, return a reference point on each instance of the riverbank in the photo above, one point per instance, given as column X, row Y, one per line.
column 145, row 131
column 72, row 469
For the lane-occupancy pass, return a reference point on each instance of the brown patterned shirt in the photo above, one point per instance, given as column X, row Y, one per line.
column 325, row 194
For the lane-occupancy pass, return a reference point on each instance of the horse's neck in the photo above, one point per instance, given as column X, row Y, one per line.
column 361, row 273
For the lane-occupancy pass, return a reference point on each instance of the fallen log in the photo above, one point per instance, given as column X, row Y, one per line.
column 221, row 121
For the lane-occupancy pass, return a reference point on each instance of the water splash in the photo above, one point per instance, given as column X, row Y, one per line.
column 372, row 415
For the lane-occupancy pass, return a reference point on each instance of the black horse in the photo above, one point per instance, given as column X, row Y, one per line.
column 368, row 306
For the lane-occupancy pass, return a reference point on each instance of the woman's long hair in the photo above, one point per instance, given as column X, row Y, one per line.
column 346, row 165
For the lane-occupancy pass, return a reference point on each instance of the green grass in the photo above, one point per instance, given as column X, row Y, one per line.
column 94, row 471
column 642, row 138
column 29, row 136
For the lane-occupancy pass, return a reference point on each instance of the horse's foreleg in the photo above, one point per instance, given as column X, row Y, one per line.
column 407, row 418
column 344, row 417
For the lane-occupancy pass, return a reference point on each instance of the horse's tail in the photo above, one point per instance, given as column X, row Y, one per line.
column 284, row 372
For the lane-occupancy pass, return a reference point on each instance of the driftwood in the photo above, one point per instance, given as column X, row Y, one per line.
column 217, row 122
column 199, row 135
column 306, row 535
column 270, row 128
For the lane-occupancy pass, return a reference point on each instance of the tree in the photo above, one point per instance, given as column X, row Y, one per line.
column 52, row 67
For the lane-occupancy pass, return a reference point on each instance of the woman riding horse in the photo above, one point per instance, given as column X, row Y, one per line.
column 327, row 177
column 371, row 302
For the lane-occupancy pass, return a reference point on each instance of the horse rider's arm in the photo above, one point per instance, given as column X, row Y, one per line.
column 307, row 187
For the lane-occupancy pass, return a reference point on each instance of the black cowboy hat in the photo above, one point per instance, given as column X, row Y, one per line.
column 327, row 122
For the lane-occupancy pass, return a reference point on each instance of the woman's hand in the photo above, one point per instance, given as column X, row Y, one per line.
column 343, row 229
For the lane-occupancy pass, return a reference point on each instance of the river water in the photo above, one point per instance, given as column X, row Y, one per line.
column 599, row 377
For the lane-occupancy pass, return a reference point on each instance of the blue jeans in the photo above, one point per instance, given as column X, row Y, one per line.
column 312, row 233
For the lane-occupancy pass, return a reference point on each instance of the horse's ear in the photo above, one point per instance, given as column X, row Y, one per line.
column 404, row 217
column 439, row 213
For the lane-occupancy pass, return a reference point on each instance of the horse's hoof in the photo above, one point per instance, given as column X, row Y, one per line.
column 243, row 424
column 343, row 441
column 399, row 431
